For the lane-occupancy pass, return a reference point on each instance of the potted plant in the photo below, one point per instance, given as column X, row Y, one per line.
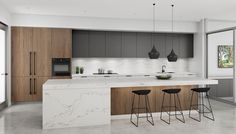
column 77, row 70
column 81, row 70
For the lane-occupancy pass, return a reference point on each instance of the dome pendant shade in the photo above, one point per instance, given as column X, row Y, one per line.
column 153, row 54
column 172, row 57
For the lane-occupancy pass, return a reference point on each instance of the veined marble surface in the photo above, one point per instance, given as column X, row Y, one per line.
column 86, row 102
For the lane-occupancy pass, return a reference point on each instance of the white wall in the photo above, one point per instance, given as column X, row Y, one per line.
column 197, row 64
column 214, row 40
column 129, row 65
column 100, row 23
column 5, row 15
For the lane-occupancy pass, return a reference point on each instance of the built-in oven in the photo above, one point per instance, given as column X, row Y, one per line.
column 61, row 67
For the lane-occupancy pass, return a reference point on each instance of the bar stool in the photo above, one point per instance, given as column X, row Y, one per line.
column 172, row 92
column 200, row 106
column 147, row 108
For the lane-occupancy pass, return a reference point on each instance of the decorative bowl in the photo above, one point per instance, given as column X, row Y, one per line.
column 164, row 76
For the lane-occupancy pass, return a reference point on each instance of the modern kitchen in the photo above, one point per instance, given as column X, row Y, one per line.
column 117, row 67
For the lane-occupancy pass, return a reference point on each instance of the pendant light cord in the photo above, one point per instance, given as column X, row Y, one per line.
column 154, row 4
column 154, row 26
column 172, row 24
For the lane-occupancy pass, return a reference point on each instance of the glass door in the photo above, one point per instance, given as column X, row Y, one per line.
column 2, row 66
column 220, row 63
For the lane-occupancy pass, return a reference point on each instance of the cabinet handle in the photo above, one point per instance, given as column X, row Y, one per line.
column 34, row 62
column 30, row 87
column 30, row 64
column 35, row 86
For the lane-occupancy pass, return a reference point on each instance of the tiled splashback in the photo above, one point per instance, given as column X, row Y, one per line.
column 129, row 65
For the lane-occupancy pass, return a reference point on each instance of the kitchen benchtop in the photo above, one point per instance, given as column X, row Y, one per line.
column 174, row 74
column 124, row 82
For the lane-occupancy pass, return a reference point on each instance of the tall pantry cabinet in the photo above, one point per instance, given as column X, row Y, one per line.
column 32, row 53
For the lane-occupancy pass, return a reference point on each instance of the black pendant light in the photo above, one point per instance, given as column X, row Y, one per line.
column 153, row 54
column 172, row 57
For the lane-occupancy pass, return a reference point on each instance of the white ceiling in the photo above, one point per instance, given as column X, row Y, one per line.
column 187, row 10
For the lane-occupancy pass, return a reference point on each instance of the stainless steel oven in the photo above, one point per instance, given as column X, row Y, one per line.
column 61, row 67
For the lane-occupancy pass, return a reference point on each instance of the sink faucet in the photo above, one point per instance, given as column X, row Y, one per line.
column 163, row 67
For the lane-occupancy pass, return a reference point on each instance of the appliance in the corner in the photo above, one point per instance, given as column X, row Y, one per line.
column 61, row 67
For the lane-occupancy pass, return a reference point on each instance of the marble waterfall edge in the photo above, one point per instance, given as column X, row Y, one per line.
column 73, row 108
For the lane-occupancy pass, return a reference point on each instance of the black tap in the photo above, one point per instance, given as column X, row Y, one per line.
column 163, row 67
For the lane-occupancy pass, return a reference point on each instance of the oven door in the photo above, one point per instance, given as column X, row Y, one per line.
column 61, row 67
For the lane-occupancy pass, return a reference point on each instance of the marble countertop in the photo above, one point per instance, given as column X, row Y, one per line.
column 175, row 74
column 123, row 82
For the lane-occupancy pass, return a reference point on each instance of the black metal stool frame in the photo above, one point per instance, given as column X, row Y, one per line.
column 175, row 106
column 147, row 110
column 201, row 107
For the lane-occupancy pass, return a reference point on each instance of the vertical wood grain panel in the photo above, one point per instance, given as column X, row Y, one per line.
column 61, row 43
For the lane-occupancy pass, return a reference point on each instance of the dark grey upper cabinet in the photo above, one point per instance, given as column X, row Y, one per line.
column 80, row 41
column 144, row 44
column 129, row 44
column 97, row 44
column 160, row 43
column 113, row 44
column 172, row 41
column 186, row 46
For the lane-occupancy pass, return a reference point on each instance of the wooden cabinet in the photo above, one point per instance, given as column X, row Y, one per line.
column 38, row 87
column 27, row 88
column 32, row 52
column 21, row 51
column 21, row 88
column 42, row 50
column 61, row 43
column 121, row 98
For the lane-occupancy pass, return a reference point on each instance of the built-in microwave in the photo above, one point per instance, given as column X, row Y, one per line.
column 61, row 67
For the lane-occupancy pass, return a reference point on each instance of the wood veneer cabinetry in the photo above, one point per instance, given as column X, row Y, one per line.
column 32, row 52
column 61, row 43
column 121, row 99
column 21, row 51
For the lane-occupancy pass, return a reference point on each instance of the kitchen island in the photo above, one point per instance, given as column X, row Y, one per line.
column 93, row 101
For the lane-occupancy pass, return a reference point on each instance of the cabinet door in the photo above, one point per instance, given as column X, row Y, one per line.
column 129, row 45
column 113, row 44
column 160, row 42
column 21, row 89
column 186, row 45
column 38, row 87
column 176, row 41
column 21, row 48
column 143, row 44
column 61, row 43
column 97, row 44
column 42, row 51
column 80, row 44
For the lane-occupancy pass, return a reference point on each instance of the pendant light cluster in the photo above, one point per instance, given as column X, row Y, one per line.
column 172, row 57
column 153, row 54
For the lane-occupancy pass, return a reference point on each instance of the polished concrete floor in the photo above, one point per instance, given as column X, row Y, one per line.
column 27, row 118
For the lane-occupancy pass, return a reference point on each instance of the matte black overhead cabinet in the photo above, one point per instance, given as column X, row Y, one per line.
column 112, row 44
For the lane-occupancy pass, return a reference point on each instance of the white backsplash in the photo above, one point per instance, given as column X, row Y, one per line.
column 129, row 65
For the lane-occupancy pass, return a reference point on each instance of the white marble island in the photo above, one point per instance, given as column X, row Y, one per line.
column 87, row 101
